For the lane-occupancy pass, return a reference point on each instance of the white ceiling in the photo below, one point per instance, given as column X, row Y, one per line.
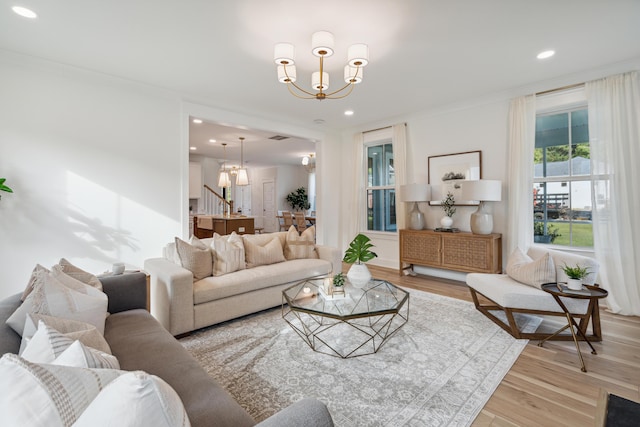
column 423, row 53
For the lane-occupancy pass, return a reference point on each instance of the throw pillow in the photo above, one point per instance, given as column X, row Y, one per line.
column 155, row 402
column 47, row 395
column 75, row 284
column 52, row 298
column 72, row 329
column 228, row 254
column 45, row 345
column 195, row 257
column 81, row 356
column 523, row 269
column 37, row 270
column 269, row 253
column 79, row 274
column 300, row 246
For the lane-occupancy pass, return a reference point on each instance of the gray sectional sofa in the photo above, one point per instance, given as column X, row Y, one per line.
column 183, row 304
column 141, row 343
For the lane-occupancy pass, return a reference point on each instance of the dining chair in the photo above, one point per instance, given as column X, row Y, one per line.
column 301, row 222
column 287, row 220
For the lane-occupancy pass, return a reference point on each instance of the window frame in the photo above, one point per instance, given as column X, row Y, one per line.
column 377, row 139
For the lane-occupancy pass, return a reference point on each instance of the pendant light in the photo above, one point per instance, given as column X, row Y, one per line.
column 242, row 178
column 223, row 180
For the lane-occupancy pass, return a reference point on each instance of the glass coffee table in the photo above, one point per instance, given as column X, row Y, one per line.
column 354, row 324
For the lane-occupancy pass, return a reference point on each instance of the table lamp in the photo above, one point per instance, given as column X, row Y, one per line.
column 415, row 193
column 484, row 190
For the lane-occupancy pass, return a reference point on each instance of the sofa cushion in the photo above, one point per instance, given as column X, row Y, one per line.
column 156, row 404
column 50, row 346
column 47, row 395
column 79, row 274
column 38, row 270
column 73, row 329
column 525, row 270
column 135, row 337
column 195, row 257
column 299, row 246
column 264, row 276
column 228, row 253
column 506, row 292
column 257, row 254
column 51, row 297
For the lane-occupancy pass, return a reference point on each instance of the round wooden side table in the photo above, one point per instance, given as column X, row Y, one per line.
column 588, row 292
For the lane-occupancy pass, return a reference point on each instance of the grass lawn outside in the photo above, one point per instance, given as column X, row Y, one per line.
column 582, row 234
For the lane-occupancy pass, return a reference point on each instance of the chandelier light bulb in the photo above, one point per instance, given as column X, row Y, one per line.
column 305, row 160
column 322, row 43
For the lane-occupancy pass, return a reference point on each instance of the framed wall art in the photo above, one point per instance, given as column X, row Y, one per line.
column 446, row 172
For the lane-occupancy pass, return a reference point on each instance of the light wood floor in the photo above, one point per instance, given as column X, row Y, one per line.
column 545, row 387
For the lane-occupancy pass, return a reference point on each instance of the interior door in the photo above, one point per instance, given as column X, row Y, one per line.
column 269, row 206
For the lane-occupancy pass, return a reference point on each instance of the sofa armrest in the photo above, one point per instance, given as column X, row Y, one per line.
column 331, row 254
column 125, row 291
column 171, row 295
column 307, row 412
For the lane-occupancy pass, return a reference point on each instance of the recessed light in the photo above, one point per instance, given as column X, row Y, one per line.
column 192, row 148
column 546, row 54
column 348, row 113
column 212, row 140
column 24, row 12
column 197, row 121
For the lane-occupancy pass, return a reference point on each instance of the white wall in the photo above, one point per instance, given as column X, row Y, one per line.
column 480, row 126
column 94, row 165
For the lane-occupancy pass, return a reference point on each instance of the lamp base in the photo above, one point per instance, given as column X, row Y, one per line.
column 416, row 218
column 481, row 221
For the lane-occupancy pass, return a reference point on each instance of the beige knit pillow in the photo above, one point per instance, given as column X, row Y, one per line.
column 228, row 254
column 195, row 257
column 300, row 246
column 525, row 270
column 79, row 274
column 269, row 253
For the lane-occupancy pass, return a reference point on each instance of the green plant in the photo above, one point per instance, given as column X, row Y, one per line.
column 448, row 204
column 552, row 231
column 298, row 199
column 576, row 272
column 359, row 250
column 338, row 280
column 4, row 187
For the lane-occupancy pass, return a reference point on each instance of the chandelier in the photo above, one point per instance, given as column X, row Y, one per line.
column 322, row 46
column 223, row 180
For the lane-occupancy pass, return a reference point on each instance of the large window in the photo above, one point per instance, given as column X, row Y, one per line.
column 562, row 180
column 381, row 195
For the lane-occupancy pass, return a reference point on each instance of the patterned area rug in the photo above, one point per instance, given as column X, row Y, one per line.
column 438, row 370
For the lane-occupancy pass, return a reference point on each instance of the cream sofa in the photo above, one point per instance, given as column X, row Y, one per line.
column 183, row 304
column 493, row 293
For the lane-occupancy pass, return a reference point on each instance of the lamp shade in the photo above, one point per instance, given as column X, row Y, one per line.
column 358, row 55
column 353, row 74
column 286, row 75
column 415, row 193
column 224, row 180
column 315, row 80
column 242, row 178
column 283, row 54
column 485, row 190
column 322, row 43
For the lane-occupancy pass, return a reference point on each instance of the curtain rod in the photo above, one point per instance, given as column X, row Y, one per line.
column 385, row 127
column 558, row 89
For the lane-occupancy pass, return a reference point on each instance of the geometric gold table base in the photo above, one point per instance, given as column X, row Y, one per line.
column 345, row 338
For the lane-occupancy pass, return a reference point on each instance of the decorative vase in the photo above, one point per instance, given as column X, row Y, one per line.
column 446, row 221
column 359, row 275
column 574, row 284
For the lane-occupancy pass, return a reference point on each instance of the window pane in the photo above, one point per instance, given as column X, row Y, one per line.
column 380, row 165
column 552, row 140
column 381, row 210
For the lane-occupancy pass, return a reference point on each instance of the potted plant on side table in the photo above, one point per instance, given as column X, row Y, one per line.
column 358, row 253
column 575, row 276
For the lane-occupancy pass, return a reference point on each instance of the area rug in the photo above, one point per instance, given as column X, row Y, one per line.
column 438, row 370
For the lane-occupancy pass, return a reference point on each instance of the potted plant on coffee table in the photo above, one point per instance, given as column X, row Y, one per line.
column 575, row 276
column 358, row 253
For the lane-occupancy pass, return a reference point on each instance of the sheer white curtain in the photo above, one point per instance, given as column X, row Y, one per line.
column 522, row 127
column 356, row 220
column 614, row 133
column 399, row 141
